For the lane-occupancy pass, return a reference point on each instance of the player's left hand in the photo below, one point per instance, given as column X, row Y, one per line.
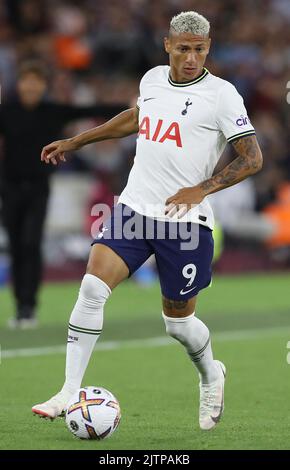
column 184, row 200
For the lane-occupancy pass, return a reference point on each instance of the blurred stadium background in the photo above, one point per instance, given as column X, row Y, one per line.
column 96, row 52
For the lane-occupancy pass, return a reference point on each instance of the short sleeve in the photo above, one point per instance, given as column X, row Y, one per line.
column 232, row 118
column 140, row 97
column 142, row 86
column 138, row 104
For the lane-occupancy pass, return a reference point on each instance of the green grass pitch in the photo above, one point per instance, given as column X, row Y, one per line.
column 155, row 382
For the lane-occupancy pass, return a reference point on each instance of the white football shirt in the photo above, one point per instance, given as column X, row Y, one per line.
column 183, row 130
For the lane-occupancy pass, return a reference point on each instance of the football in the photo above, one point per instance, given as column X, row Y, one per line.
column 93, row 413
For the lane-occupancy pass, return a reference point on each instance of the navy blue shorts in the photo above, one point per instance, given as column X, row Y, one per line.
column 183, row 250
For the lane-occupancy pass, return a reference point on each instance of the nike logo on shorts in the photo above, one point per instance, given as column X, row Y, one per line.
column 147, row 99
column 182, row 292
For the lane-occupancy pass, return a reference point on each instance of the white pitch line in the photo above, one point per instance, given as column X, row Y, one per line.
column 105, row 346
column 235, row 335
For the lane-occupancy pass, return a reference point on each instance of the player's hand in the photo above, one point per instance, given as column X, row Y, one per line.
column 184, row 200
column 55, row 152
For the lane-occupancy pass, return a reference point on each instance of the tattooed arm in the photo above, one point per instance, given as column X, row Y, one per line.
column 248, row 162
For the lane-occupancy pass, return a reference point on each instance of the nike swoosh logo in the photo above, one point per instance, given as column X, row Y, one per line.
column 147, row 99
column 217, row 418
column 182, row 292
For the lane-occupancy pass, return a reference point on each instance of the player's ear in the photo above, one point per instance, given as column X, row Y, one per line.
column 167, row 45
column 208, row 43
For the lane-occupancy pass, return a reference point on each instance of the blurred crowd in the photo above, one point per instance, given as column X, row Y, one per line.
column 97, row 51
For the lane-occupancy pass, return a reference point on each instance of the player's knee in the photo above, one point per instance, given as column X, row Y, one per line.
column 172, row 330
column 175, row 327
column 94, row 291
column 178, row 308
column 105, row 264
column 92, row 267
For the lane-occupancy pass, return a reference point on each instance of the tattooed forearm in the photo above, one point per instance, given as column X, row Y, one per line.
column 248, row 147
column 248, row 162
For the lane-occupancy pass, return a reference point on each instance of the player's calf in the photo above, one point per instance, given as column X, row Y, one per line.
column 85, row 327
column 193, row 334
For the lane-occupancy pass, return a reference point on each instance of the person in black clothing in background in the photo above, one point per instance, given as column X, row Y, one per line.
column 26, row 125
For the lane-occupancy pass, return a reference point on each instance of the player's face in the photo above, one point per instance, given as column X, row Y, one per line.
column 187, row 55
column 31, row 89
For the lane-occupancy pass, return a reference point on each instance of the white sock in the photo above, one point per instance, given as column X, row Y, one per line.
column 85, row 327
column 195, row 337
